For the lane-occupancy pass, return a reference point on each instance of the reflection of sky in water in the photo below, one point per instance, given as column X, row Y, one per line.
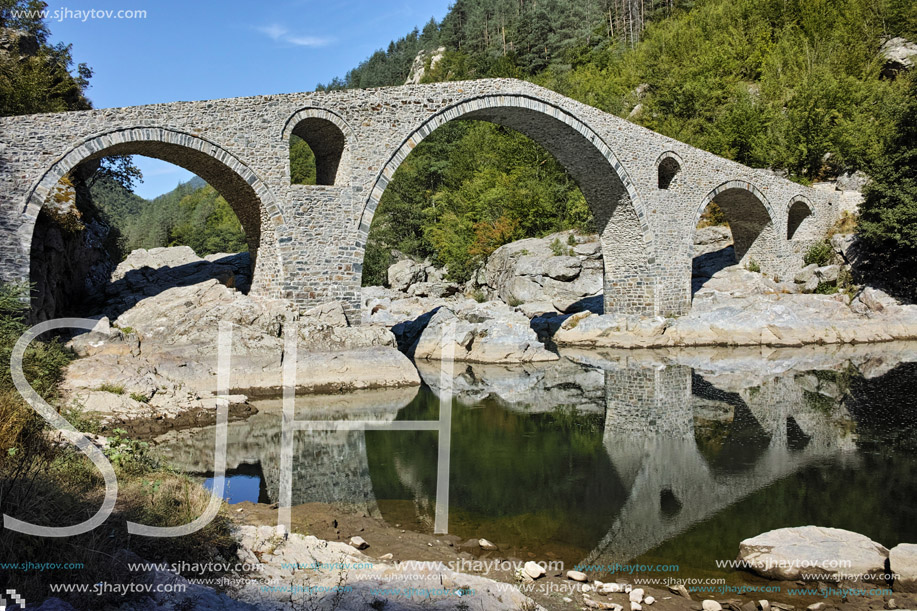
column 239, row 488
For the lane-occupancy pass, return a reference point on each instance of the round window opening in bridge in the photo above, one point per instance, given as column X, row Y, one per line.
column 122, row 228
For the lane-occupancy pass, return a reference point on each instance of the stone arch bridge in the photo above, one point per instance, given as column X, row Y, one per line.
column 646, row 191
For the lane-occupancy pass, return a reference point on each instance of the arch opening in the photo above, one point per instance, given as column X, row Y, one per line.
column 667, row 172
column 799, row 220
column 316, row 150
column 734, row 226
column 626, row 284
column 66, row 191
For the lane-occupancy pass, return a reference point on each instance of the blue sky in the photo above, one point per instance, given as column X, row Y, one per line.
column 196, row 50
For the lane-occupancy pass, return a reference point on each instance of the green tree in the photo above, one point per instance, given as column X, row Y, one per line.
column 35, row 76
column 302, row 162
column 888, row 214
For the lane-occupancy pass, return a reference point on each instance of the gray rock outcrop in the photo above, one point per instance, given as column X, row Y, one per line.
column 484, row 333
column 145, row 273
column 158, row 358
column 559, row 272
column 738, row 307
column 71, row 254
column 420, row 279
column 899, row 54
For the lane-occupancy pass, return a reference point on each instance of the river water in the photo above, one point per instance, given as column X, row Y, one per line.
column 603, row 458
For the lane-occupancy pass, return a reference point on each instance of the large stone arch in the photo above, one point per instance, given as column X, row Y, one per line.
column 246, row 193
column 622, row 221
column 331, row 139
column 752, row 220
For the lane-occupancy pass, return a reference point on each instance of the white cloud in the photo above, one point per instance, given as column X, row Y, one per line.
column 308, row 41
column 274, row 31
column 279, row 33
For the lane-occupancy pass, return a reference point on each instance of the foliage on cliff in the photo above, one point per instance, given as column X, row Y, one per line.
column 35, row 76
column 794, row 85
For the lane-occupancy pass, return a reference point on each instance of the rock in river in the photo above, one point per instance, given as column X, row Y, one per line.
column 801, row 552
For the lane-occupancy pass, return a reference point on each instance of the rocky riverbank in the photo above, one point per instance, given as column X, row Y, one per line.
column 153, row 356
column 556, row 284
column 351, row 561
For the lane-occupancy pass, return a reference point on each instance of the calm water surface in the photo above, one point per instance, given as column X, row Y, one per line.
column 603, row 458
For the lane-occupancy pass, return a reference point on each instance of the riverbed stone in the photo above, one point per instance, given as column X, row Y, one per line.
column 533, row 570
column 902, row 560
column 358, row 542
column 486, row 545
column 806, row 551
column 577, row 576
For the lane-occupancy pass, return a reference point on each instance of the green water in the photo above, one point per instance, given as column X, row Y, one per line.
column 599, row 463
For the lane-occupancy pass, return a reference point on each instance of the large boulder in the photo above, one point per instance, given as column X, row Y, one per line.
column 483, row 333
column 563, row 269
column 405, row 273
column 814, row 552
column 902, row 560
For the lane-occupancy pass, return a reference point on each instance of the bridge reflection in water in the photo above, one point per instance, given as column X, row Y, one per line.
column 600, row 457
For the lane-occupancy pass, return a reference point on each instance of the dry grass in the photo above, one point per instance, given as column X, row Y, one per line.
column 847, row 223
column 69, row 489
column 43, row 483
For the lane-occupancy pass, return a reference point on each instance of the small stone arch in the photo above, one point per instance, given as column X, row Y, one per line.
column 668, row 167
column 243, row 189
column 619, row 212
column 800, row 219
column 329, row 136
column 751, row 219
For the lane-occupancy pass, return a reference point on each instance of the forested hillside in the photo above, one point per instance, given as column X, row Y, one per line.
column 192, row 214
column 793, row 85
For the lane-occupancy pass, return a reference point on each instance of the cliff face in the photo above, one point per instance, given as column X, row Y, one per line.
column 73, row 253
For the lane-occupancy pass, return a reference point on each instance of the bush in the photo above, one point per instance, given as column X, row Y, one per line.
column 820, row 253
